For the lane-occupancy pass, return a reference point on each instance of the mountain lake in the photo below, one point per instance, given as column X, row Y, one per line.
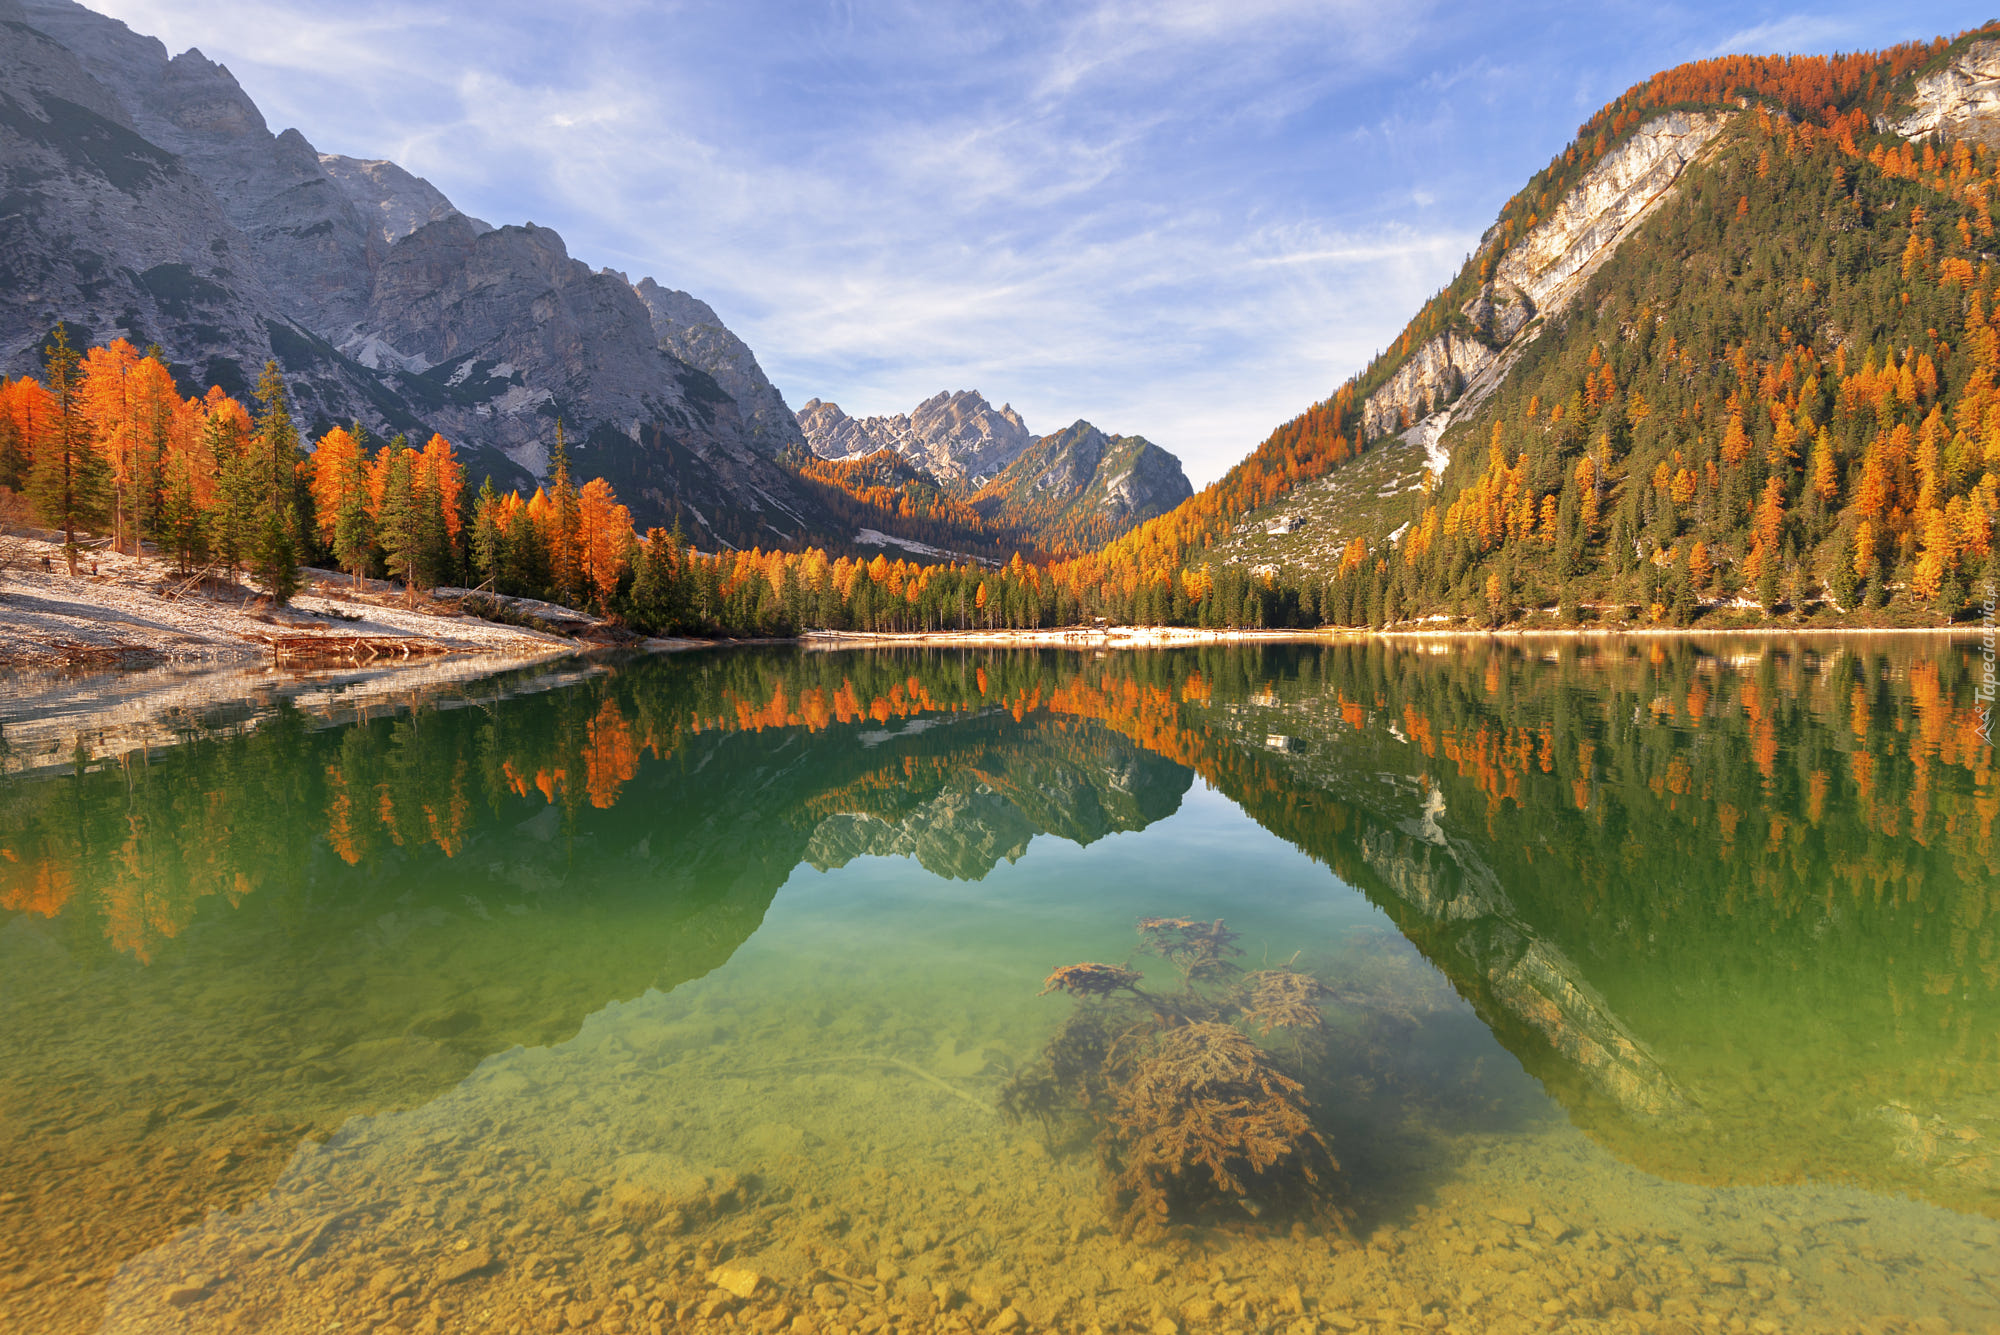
column 1639, row 984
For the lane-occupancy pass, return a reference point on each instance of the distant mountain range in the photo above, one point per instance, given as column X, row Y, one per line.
column 1067, row 491
column 146, row 197
column 959, row 439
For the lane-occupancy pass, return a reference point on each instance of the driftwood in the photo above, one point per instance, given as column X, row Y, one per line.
column 181, row 589
column 68, row 654
column 349, row 650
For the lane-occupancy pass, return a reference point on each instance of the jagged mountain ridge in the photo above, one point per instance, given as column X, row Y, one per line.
column 958, row 438
column 398, row 201
column 1072, row 489
column 147, row 197
column 1078, row 487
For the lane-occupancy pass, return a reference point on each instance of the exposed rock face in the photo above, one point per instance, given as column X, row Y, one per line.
column 148, row 197
column 1962, row 100
column 464, row 304
column 1540, row 276
column 111, row 231
column 1083, row 482
column 1433, row 376
column 1553, row 261
column 688, row 329
column 310, row 243
column 399, row 202
column 956, row 438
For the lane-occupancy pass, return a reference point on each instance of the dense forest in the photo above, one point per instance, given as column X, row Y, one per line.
column 108, row 444
column 1781, row 396
column 1776, row 394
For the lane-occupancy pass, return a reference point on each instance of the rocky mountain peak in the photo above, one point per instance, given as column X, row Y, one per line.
column 688, row 328
column 958, row 438
column 1079, row 487
column 397, row 200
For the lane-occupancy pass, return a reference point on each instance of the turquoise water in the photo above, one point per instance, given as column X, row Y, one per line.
column 685, row 992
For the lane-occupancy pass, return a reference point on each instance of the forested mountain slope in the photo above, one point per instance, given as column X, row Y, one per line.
column 1731, row 349
column 1078, row 487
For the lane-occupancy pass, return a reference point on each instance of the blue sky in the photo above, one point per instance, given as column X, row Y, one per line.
column 1186, row 219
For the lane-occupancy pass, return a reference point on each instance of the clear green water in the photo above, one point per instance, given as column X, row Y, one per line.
column 1667, row 994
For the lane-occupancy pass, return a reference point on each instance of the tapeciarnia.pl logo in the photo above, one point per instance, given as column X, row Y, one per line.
column 1984, row 695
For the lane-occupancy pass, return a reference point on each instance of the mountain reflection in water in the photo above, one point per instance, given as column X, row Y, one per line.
column 511, row 967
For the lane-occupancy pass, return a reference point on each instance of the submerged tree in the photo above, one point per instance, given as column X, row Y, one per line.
column 1191, row 1115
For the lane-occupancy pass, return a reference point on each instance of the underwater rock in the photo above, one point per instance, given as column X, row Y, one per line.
column 190, row 1291
column 466, row 1264
column 648, row 1186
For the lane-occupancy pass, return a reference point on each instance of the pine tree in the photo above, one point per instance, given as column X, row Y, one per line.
column 273, row 490
column 158, row 399
column 433, row 554
column 15, row 451
column 399, row 522
column 353, row 529
column 486, row 535
column 232, row 520
column 566, row 532
column 69, row 481
column 182, row 525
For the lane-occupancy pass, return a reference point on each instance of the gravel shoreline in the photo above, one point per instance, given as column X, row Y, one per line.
column 136, row 610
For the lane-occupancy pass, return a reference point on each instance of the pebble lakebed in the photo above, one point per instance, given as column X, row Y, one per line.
column 707, row 1160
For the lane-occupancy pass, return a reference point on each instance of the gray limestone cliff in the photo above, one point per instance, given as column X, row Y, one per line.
column 398, row 202
column 147, row 197
column 1960, row 101
column 688, row 329
column 1536, row 279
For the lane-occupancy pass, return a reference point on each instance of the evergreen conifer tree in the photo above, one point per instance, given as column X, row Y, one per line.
column 486, row 535
column 566, row 533
column 353, row 527
column 398, row 523
column 69, row 481
column 272, row 490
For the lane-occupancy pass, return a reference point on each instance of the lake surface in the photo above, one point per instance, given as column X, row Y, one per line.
column 1647, row 985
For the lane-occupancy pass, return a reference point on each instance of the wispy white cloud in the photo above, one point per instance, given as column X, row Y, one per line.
column 1790, row 35
column 1184, row 218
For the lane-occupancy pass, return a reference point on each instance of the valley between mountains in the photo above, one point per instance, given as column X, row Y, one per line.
column 1728, row 360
